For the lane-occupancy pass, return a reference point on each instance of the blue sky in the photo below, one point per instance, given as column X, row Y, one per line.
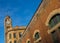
column 20, row 11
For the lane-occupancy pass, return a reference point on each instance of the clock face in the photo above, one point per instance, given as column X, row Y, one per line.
column 8, row 22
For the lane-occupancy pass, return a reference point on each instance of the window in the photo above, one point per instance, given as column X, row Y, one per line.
column 10, row 41
column 59, row 28
column 20, row 34
column 54, row 20
column 9, row 36
column 28, row 42
column 15, row 41
column 55, row 37
column 37, row 35
column 14, row 35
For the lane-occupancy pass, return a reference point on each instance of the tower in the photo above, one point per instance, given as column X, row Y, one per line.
column 7, row 23
column 7, row 26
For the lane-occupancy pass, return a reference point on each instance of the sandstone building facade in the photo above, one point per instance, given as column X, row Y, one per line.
column 44, row 26
column 12, row 34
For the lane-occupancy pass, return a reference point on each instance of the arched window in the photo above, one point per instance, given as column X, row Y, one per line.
column 10, row 36
column 28, row 41
column 20, row 34
column 15, row 41
column 14, row 35
column 10, row 41
column 54, row 20
column 37, row 36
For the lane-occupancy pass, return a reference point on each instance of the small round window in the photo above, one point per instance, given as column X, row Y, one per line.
column 37, row 35
column 28, row 41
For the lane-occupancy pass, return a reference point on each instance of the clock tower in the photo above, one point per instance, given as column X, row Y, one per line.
column 7, row 23
column 12, row 34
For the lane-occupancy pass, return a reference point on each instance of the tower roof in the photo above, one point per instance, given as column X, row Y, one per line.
column 7, row 16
